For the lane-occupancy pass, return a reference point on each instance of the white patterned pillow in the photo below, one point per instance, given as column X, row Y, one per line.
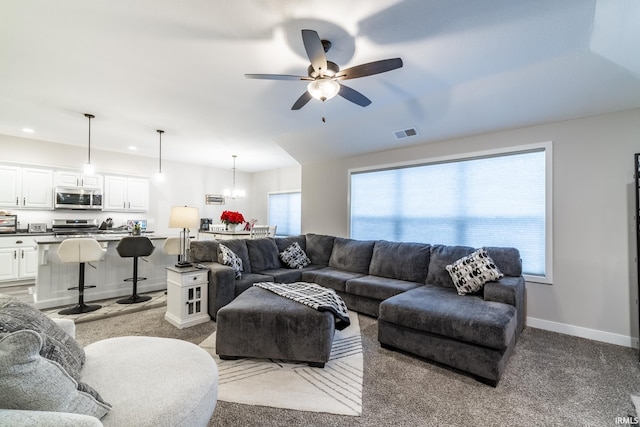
column 294, row 256
column 470, row 273
column 227, row 257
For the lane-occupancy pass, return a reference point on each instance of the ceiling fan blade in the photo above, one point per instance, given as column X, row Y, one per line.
column 276, row 77
column 302, row 101
column 315, row 50
column 369, row 69
column 354, row 96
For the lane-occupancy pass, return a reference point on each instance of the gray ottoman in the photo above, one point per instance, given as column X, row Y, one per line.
column 259, row 323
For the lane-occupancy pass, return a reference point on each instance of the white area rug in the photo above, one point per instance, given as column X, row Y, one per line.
column 335, row 389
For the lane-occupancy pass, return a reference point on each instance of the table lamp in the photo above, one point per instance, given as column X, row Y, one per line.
column 183, row 217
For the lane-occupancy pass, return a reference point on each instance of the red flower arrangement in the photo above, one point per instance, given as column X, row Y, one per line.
column 230, row 217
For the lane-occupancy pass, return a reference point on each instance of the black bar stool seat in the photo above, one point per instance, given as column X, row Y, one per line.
column 134, row 247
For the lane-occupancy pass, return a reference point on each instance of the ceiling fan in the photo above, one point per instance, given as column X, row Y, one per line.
column 323, row 75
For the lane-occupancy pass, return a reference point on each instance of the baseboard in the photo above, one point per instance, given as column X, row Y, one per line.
column 579, row 331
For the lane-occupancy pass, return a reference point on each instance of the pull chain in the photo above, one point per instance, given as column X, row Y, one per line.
column 324, row 120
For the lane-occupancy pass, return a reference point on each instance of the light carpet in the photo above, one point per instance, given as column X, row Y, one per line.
column 335, row 389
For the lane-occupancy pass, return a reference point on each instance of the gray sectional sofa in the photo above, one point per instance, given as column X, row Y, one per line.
column 405, row 285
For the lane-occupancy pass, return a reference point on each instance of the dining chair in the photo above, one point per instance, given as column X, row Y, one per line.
column 258, row 231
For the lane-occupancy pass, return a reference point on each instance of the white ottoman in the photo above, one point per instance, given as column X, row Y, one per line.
column 152, row 381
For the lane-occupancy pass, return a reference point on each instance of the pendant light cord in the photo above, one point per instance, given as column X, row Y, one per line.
column 89, row 116
column 233, row 187
column 160, row 132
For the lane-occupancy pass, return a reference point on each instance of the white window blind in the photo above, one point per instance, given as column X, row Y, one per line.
column 488, row 201
column 285, row 212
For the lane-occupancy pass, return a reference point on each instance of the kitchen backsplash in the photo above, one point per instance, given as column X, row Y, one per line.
column 25, row 217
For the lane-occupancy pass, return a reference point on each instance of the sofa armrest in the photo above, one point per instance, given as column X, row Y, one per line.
column 67, row 325
column 508, row 290
column 24, row 418
column 222, row 287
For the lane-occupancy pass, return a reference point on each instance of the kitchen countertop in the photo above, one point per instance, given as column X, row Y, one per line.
column 23, row 234
column 107, row 237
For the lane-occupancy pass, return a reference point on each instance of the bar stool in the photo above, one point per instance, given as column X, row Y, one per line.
column 171, row 246
column 134, row 247
column 80, row 250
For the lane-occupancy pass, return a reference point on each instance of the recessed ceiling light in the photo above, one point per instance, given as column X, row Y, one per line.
column 132, row 148
column 27, row 130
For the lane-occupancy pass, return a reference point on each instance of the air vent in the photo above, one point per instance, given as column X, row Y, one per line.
column 405, row 133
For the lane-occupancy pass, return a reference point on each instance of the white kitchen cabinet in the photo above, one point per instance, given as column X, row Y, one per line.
column 18, row 258
column 10, row 185
column 28, row 188
column 8, row 264
column 76, row 179
column 125, row 194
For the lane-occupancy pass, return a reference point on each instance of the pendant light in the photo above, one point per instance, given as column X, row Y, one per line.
column 160, row 175
column 88, row 167
column 234, row 193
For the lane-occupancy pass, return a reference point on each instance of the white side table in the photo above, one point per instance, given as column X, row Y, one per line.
column 187, row 296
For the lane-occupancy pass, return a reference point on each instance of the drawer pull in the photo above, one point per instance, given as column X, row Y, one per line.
column 19, row 242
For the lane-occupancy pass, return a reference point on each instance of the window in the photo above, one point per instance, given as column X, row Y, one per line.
column 491, row 200
column 285, row 212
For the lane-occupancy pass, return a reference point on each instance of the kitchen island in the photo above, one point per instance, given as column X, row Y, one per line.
column 55, row 277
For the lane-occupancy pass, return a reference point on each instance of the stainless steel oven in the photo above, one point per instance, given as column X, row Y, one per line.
column 78, row 198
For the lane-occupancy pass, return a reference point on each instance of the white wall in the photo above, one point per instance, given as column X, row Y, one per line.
column 263, row 183
column 595, row 286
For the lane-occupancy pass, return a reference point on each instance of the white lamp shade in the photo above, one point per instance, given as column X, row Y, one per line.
column 183, row 217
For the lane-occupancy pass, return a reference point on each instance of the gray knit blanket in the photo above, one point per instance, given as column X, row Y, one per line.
column 314, row 296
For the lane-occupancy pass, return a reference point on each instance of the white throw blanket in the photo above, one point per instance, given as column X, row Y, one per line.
column 314, row 296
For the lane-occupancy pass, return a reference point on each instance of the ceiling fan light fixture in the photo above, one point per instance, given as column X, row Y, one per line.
column 323, row 89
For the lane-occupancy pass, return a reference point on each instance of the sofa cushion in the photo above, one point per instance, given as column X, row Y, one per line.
column 471, row 272
column 288, row 275
column 329, row 277
column 31, row 382
column 506, row 259
column 239, row 247
column 441, row 311
column 263, row 254
column 439, row 258
column 248, row 279
column 284, row 242
column 58, row 346
column 227, row 257
column 379, row 288
column 318, row 248
column 294, row 256
column 351, row 255
column 402, row 261
column 203, row 250
column 284, row 275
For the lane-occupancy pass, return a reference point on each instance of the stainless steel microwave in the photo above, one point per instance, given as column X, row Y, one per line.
column 78, row 198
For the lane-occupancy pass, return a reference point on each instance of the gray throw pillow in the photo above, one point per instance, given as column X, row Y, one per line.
column 227, row 257
column 58, row 346
column 470, row 273
column 294, row 256
column 29, row 381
